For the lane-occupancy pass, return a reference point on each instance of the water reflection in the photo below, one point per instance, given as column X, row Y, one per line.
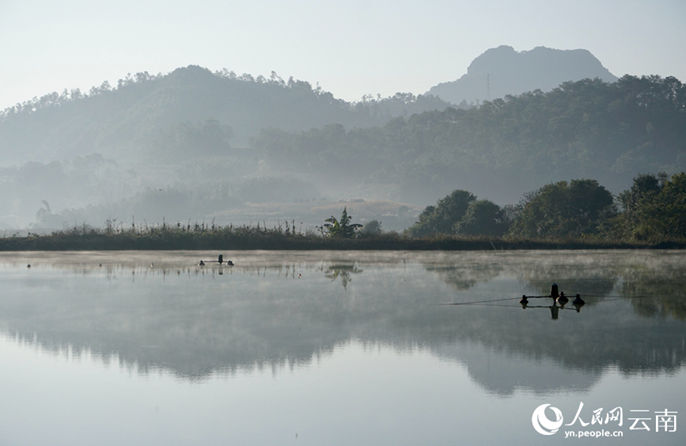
column 657, row 292
column 575, row 274
column 344, row 271
column 463, row 276
column 276, row 310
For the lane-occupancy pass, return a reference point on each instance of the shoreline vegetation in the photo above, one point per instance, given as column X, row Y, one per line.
column 179, row 237
column 580, row 214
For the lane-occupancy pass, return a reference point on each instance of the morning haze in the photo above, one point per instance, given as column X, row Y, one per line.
column 195, row 145
column 342, row 223
column 180, row 138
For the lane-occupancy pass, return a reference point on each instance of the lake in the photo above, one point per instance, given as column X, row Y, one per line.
column 342, row 348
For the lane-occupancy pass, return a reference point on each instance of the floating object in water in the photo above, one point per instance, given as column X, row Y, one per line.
column 220, row 261
column 578, row 302
column 562, row 300
column 524, row 301
column 300, row 276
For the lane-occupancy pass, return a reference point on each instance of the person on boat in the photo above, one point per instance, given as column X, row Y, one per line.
column 562, row 300
column 554, row 291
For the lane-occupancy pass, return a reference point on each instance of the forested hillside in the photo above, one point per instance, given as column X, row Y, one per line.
column 111, row 152
column 224, row 142
column 189, row 111
column 584, row 129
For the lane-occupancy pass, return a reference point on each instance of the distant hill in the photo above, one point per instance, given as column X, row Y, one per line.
column 180, row 141
column 190, row 111
column 502, row 71
column 585, row 129
column 199, row 145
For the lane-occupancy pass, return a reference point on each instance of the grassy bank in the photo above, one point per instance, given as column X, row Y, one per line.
column 243, row 238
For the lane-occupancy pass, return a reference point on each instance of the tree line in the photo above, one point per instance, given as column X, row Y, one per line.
column 577, row 214
column 653, row 209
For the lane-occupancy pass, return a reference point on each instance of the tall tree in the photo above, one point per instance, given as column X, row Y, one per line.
column 570, row 210
column 482, row 217
column 633, row 201
column 342, row 228
column 654, row 208
column 441, row 219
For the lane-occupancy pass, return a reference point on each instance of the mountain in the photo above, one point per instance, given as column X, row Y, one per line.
column 183, row 134
column 502, row 71
column 189, row 110
column 586, row 129
column 194, row 145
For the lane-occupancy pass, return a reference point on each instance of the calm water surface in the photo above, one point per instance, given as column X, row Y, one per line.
column 330, row 348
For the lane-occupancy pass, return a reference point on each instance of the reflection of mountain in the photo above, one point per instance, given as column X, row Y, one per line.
column 503, row 374
column 195, row 322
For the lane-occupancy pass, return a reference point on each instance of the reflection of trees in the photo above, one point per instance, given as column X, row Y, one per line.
column 464, row 277
column 195, row 322
column 656, row 291
column 587, row 280
column 573, row 276
column 343, row 271
column 655, row 285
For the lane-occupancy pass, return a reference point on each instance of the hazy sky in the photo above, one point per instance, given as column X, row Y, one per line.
column 350, row 47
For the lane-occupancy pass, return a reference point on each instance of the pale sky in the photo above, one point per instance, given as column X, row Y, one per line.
column 350, row 47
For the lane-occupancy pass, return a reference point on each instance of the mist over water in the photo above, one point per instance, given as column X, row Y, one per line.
column 319, row 178
column 336, row 347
